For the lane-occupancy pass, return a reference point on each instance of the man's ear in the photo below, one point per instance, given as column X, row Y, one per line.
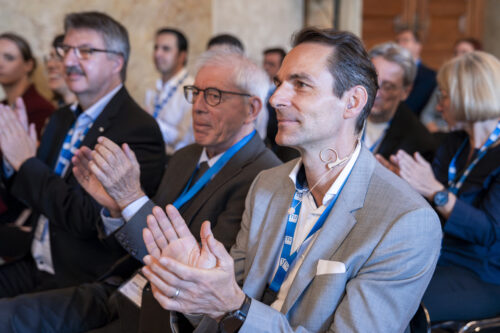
column 183, row 57
column 254, row 107
column 119, row 62
column 407, row 92
column 356, row 99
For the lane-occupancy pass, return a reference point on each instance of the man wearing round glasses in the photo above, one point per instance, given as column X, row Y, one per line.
column 208, row 180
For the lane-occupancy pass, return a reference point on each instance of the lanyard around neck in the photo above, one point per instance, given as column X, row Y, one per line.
column 287, row 258
column 454, row 186
column 188, row 193
column 159, row 106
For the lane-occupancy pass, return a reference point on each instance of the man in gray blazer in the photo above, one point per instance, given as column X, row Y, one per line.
column 332, row 241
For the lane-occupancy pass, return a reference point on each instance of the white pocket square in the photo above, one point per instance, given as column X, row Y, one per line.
column 330, row 267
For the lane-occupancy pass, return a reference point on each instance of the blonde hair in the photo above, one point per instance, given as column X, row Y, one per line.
column 472, row 81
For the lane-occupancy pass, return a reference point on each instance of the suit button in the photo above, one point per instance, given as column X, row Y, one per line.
column 133, row 252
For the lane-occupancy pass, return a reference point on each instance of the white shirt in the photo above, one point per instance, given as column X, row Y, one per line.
column 374, row 133
column 309, row 214
column 111, row 224
column 40, row 247
column 174, row 118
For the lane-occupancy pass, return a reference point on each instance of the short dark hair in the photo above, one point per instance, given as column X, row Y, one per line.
column 23, row 46
column 226, row 39
column 278, row 50
column 348, row 63
column 414, row 33
column 58, row 40
column 476, row 44
column 113, row 33
column 182, row 42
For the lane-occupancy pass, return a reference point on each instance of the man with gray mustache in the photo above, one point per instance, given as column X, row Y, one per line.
column 64, row 247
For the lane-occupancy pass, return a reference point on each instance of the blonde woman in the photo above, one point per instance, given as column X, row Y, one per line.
column 463, row 184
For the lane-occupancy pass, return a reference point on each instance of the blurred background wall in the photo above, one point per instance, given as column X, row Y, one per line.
column 259, row 24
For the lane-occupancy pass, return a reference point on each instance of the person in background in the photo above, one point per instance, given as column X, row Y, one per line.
column 391, row 125
column 57, row 77
column 466, row 45
column 17, row 65
column 463, row 184
column 273, row 58
column 432, row 118
column 425, row 81
column 166, row 103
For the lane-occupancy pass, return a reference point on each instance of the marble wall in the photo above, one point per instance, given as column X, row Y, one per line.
column 259, row 23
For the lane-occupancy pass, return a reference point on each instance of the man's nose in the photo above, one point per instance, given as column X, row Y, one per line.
column 281, row 96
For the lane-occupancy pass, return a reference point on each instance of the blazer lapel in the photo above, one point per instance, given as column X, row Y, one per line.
column 336, row 227
column 66, row 120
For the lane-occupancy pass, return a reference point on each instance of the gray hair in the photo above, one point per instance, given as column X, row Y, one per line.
column 246, row 75
column 394, row 53
column 114, row 34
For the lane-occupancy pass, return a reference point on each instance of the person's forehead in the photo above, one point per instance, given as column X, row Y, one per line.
column 406, row 36
column 307, row 57
column 166, row 38
column 215, row 76
column 6, row 45
column 388, row 70
column 84, row 37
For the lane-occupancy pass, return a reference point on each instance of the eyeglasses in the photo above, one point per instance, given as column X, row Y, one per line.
column 388, row 87
column 212, row 96
column 81, row 52
column 52, row 56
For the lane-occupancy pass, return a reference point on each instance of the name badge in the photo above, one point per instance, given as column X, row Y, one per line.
column 132, row 289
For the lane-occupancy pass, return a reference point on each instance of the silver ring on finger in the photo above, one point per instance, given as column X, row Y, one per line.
column 177, row 292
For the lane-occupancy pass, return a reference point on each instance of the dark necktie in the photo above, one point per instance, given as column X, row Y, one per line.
column 201, row 170
column 78, row 111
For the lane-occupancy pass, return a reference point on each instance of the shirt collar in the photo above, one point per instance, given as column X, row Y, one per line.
column 95, row 110
column 334, row 189
column 173, row 80
column 210, row 161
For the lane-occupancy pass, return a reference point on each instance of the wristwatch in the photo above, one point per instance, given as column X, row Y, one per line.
column 233, row 321
column 440, row 198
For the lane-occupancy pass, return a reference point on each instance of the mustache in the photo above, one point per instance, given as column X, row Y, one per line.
column 73, row 70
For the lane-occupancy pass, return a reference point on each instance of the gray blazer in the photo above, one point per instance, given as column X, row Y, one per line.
column 385, row 234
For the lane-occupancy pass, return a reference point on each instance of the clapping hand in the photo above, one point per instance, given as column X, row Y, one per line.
column 18, row 141
column 185, row 277
column 90, row 183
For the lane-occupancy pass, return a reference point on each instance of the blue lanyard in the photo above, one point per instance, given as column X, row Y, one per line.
column 454, row 186
column 188, row 193
column 68, row 149
column 158, row 105
column 287, row 258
